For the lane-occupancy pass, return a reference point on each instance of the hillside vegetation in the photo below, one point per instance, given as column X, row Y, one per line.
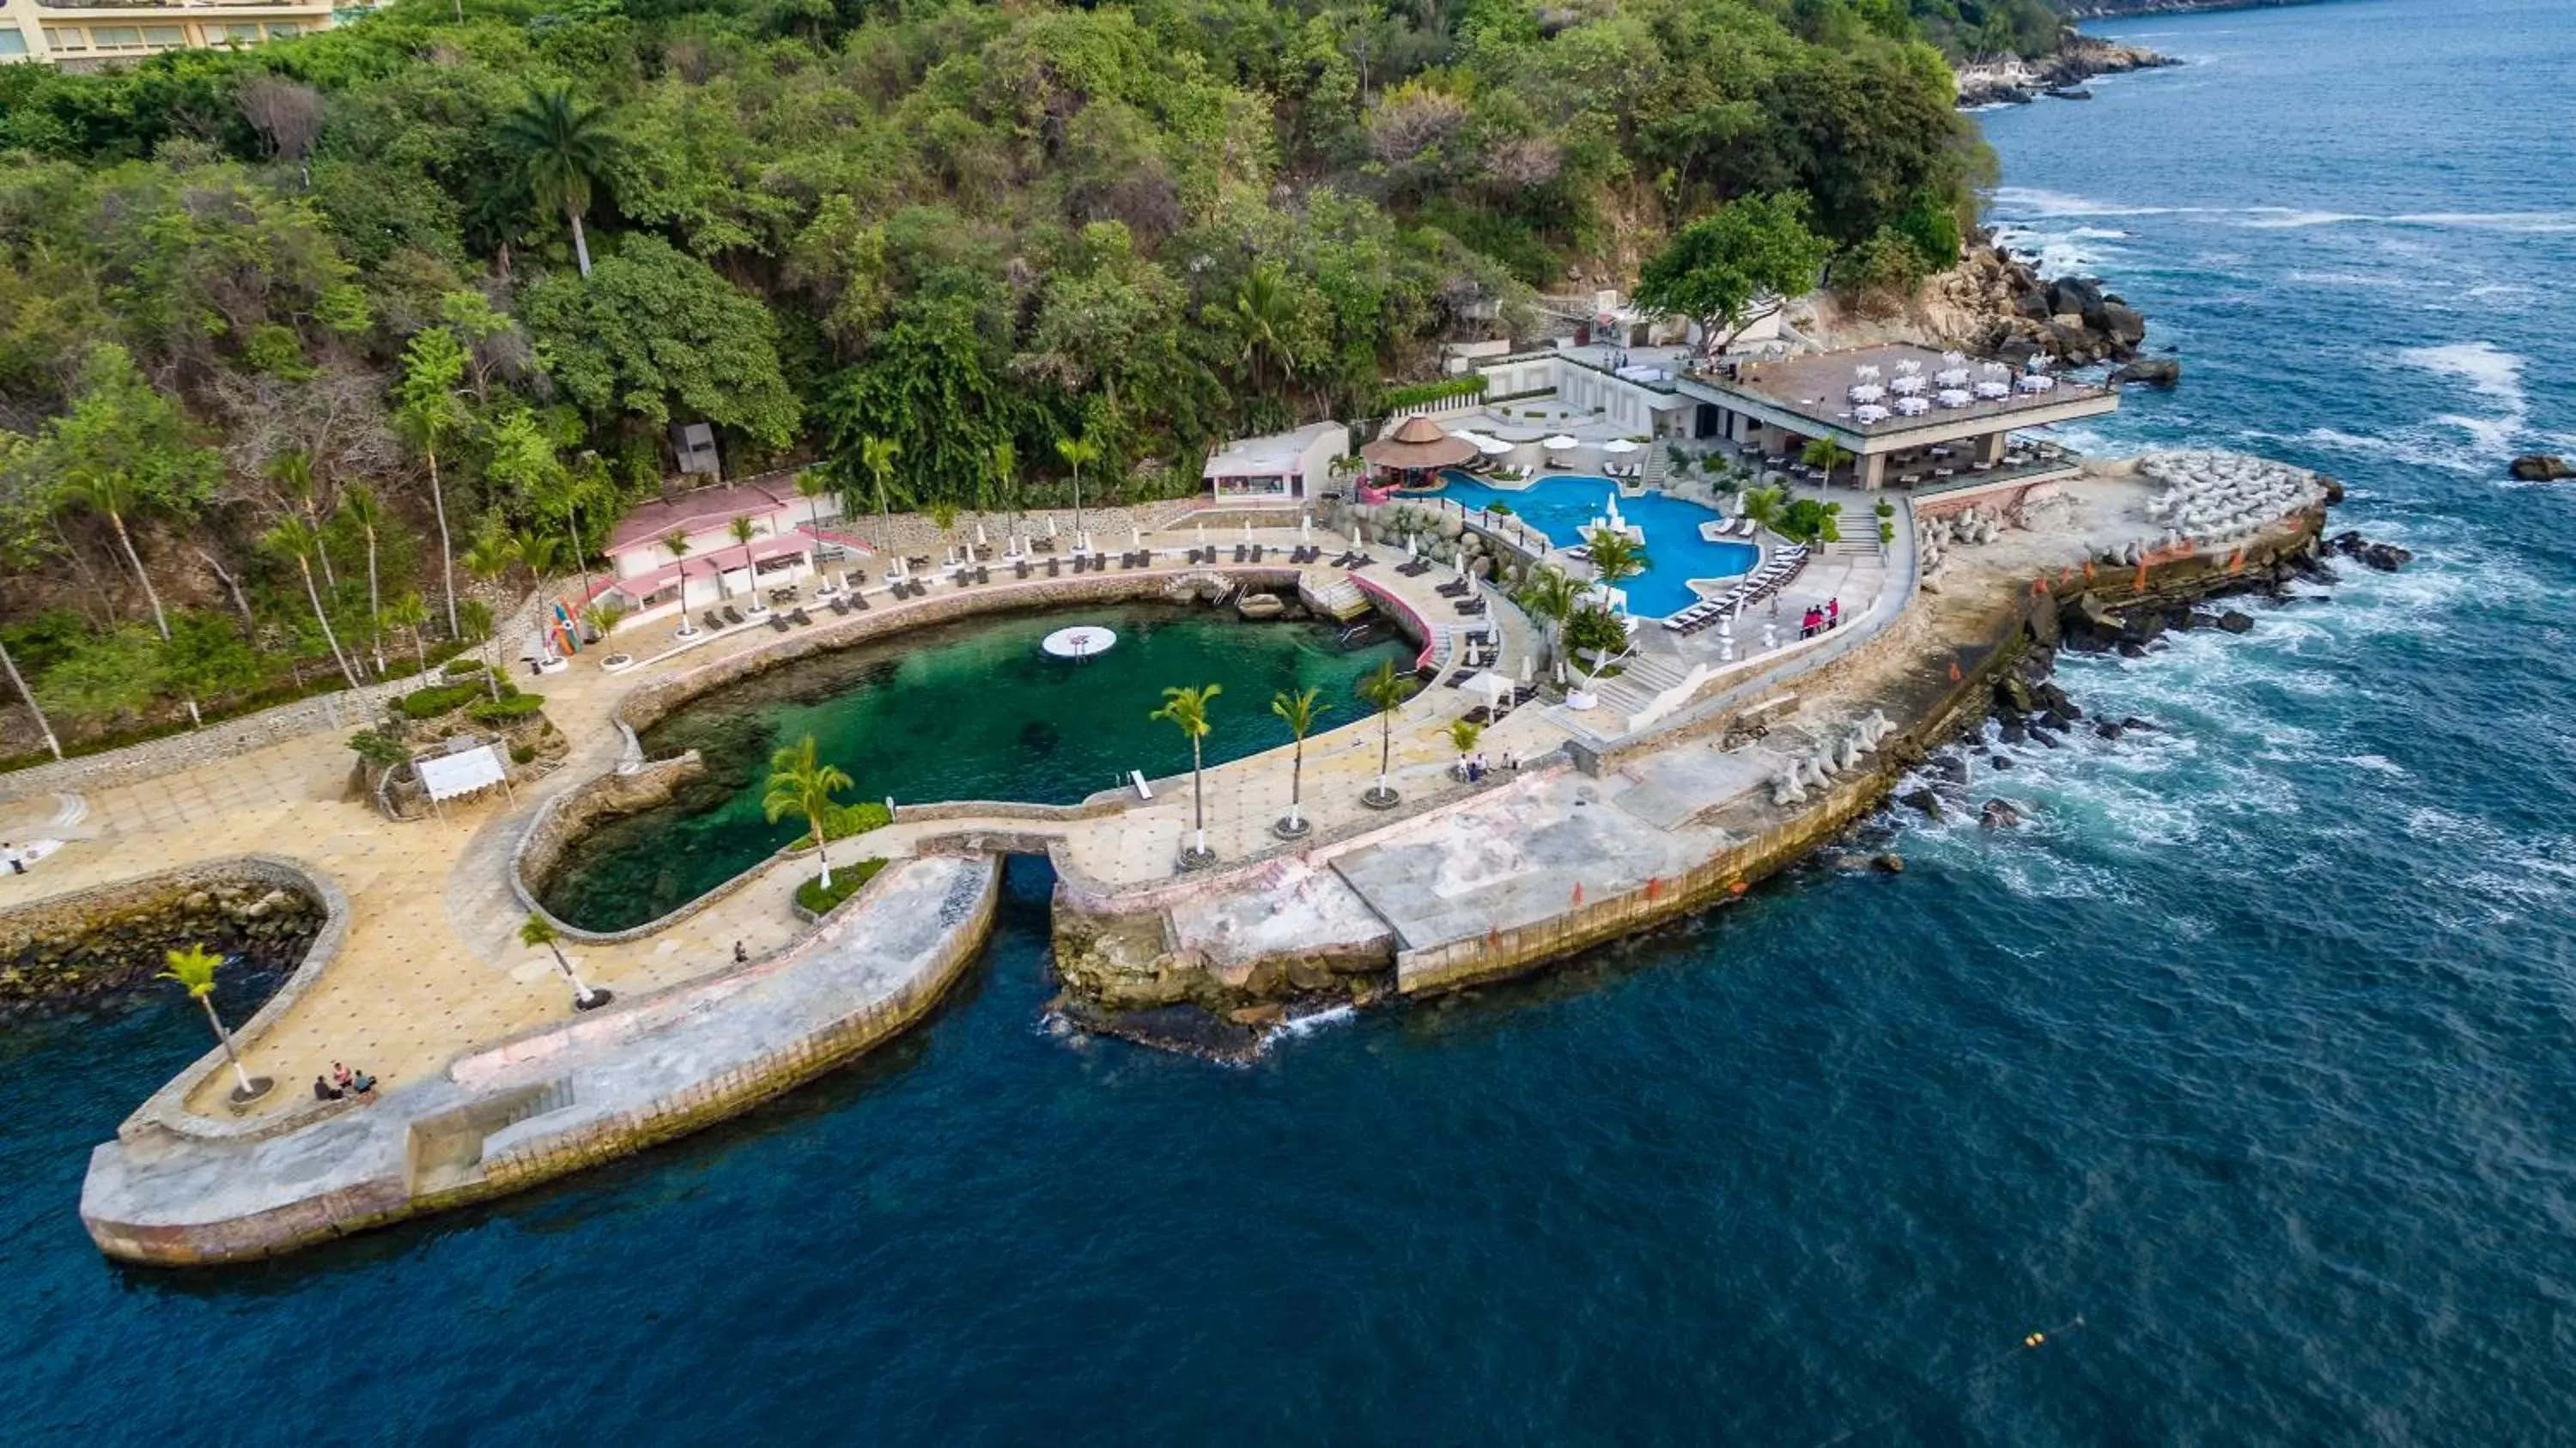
column 284, row 331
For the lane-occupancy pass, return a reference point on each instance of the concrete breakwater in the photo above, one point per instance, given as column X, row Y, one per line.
column 170, row 1190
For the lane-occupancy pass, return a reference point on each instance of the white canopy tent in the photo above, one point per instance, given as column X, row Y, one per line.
column 468, row 771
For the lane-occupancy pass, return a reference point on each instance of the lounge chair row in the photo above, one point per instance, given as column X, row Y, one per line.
column 1773, row 576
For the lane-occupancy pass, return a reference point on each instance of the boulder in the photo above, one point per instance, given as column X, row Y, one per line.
column 2541, row 468
column 1998, row 814
column 2107, row 730
column 1892, row 864
column 1922, row 799
column 1260, row 605
column 2385, row 557
column 2079, row 295
column 2235, row 623
column 2151, row 371
column 1952, row 767
column 2000, row 762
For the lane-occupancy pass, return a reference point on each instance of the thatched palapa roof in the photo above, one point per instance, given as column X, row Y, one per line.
column 1419, row 443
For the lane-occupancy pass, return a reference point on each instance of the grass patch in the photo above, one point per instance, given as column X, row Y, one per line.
column 846, row 880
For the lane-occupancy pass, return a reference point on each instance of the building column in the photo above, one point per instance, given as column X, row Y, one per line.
column 1873, row 471
column 1990, row 448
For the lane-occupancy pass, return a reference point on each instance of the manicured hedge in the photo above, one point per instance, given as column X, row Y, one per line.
column 846, row 880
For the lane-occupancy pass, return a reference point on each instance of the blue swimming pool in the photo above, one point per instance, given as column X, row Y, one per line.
column 1559, row 507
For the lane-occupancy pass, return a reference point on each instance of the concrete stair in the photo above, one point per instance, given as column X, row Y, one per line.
column 1340, row 600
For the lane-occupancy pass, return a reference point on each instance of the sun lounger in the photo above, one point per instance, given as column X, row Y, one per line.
column 800, row 617
column 1053, row 571
column 777, row 624
column 713, row 623
column 840, row 605
column 983, row 574
column 732, row 615
column 1021, row 567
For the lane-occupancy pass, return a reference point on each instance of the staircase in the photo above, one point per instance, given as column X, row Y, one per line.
column 1643, row 679
column 1658, row 464
column 1340, row 599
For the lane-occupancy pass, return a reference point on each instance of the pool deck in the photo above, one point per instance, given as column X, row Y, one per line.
column 429, row 978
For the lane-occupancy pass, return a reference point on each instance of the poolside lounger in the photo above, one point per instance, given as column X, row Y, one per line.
column 1052, row 570
column 777, row 623
column 1021, row 567
column 713, row 623
column 983, row 574
column 840, row 605
column 801, row 618
column 732, row 615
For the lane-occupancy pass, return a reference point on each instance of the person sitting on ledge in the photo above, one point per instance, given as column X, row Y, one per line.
column 339, row 1075
column 362, row 1085
column 324, row 1090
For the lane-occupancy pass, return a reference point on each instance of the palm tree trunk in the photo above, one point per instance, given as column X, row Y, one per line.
column 319, row 616
column 580, row 243
column 232, row 587
column 1296, row 782
column 43, row 725
column 375, row 607
column 1385, row 744
column 1198, row 798
column 821, row 854
column 226, row 1037
column 159, row 621
column 580, row 987
column 446, row 551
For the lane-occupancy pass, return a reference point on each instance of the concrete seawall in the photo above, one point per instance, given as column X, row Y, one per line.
column 572, row 1094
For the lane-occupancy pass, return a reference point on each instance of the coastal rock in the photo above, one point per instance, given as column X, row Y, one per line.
column 2541, row 468
column 1892, row 864
column 2151, row 371
column 2068, row 93
column 2236, row 623
column 2107, row 730
column 1998, row 814
column 1922, row 799
column 1951, row 767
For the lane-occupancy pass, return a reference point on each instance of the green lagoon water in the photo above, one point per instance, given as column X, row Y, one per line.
column 963, row 711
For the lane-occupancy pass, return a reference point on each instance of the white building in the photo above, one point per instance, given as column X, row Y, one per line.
column 84, row 36
column 791, row 539
column 1285, row 467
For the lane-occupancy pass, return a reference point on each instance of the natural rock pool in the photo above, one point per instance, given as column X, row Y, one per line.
column 968, row 710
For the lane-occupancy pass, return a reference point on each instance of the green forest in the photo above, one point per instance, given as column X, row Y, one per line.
column 312, row 353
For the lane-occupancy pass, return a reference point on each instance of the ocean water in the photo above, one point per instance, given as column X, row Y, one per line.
column 2243, row 1074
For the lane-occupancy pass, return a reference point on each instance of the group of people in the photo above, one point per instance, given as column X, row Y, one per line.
column 1817, row 620
column 342, row 1082
column 1476, row 768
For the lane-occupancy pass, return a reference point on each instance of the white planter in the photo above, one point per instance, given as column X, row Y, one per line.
column 1581, row 699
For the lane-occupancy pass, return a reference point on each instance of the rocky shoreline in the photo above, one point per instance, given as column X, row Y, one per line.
column 80, row 950
column 1997, row 304
column 2060, row 73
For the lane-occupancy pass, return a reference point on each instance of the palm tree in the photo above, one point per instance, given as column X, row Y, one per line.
column 1616, row 557
column 293, row 537
column 427, row 410
column 563, row 149
column 1298, row 711
column 743, row 532
column 877, row 455
column 1077, row 450
column 1263, row 314
column 538, row 930
column 1186, row 710
column 490, row 559
column 27, row 696
column 410, row 615
column 475, row 625
column 1004, row 467
column 1766, row 507
column 676, row 543
column 292, row 471
column 1826, row 454
column 367, row 512
column 112, row 493
column 194, row 969
column 1550, row 595
column 1386, row 690
column 1463, row 734
column 800, row 784
column 811, row 485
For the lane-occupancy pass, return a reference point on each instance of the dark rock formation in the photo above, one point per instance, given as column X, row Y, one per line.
column 1998, row 814
column 2236, row 623
column 1922, row 799
column 2150, row 371
column 2541, row 468
column 2385, row 557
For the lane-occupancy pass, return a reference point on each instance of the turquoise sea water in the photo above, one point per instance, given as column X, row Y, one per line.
column 965, row 711
column 2253, row 1051
column 1675, row 553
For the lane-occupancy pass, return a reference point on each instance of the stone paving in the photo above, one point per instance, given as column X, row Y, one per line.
column 433, row 964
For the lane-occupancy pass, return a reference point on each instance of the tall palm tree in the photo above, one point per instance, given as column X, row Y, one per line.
column 1616, row 557
column 112, row 494
column 410, row 615
column 538, row 930
column 1003, row 466
column 1186, row 710
column 1386, row 690
column 1825, row 454
column 194, row 969
column 367, row 513
column 743, row 532
column 490, row 559
column 1263, row 314
column 676, row 543
column 1298, row 711
column 295, row 538
column 27, row 696
column 799, row 783
column 877, row 455
column 292, row 471
column 1463, row 734
column 811, row 485
column 1550, row 595
column 427, row 409
column 1077, row 450
column 563, row 149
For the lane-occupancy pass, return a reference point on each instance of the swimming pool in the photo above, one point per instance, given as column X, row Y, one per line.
column 1559, row 507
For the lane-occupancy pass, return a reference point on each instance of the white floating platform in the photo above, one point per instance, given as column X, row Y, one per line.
column 1079, row 642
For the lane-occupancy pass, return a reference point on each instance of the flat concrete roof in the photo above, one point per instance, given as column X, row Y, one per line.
column 1808, row 394
column 1269, row 455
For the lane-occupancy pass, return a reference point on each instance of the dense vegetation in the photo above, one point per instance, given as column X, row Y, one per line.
column 1966, row 29
column 284, row 331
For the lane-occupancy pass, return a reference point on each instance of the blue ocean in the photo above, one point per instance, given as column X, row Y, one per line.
column 2231, row 1100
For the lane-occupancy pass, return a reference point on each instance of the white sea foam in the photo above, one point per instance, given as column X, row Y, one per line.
column 1307, row 1025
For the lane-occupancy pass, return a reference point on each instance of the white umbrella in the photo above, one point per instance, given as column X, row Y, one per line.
column 1492, row 447
column 1408, row 547
column 1135, row 537
column 1619, row 445
column 1050, row 526
column 980, row 540
column 1528, row 665
column 1305, row 526
column 1560, row 443
column 1202, row 531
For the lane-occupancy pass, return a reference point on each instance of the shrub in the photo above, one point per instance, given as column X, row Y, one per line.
column 846, row 880
column 463, row 668
column 509, row 706
column 523, row 754
column 846, row 820
column 378, row 748
column 1472, row 385
column 1504, row 509
column 438, row 699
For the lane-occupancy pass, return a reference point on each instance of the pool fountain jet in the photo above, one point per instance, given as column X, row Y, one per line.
column 1079, row 642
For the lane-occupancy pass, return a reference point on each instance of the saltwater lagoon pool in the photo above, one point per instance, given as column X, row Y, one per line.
column 965, row 710
column 1559, row 507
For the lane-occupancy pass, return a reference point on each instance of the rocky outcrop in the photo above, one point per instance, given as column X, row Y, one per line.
column 1996, row 303
column 102, row 943
column 2060, row 73
column 2541, row 468
column 2382, row 557
column 2152, row 371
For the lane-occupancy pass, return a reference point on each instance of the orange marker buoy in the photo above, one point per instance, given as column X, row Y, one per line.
column 1954, row 671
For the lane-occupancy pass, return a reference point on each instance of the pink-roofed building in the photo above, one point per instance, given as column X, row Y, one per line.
column 792, row 538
